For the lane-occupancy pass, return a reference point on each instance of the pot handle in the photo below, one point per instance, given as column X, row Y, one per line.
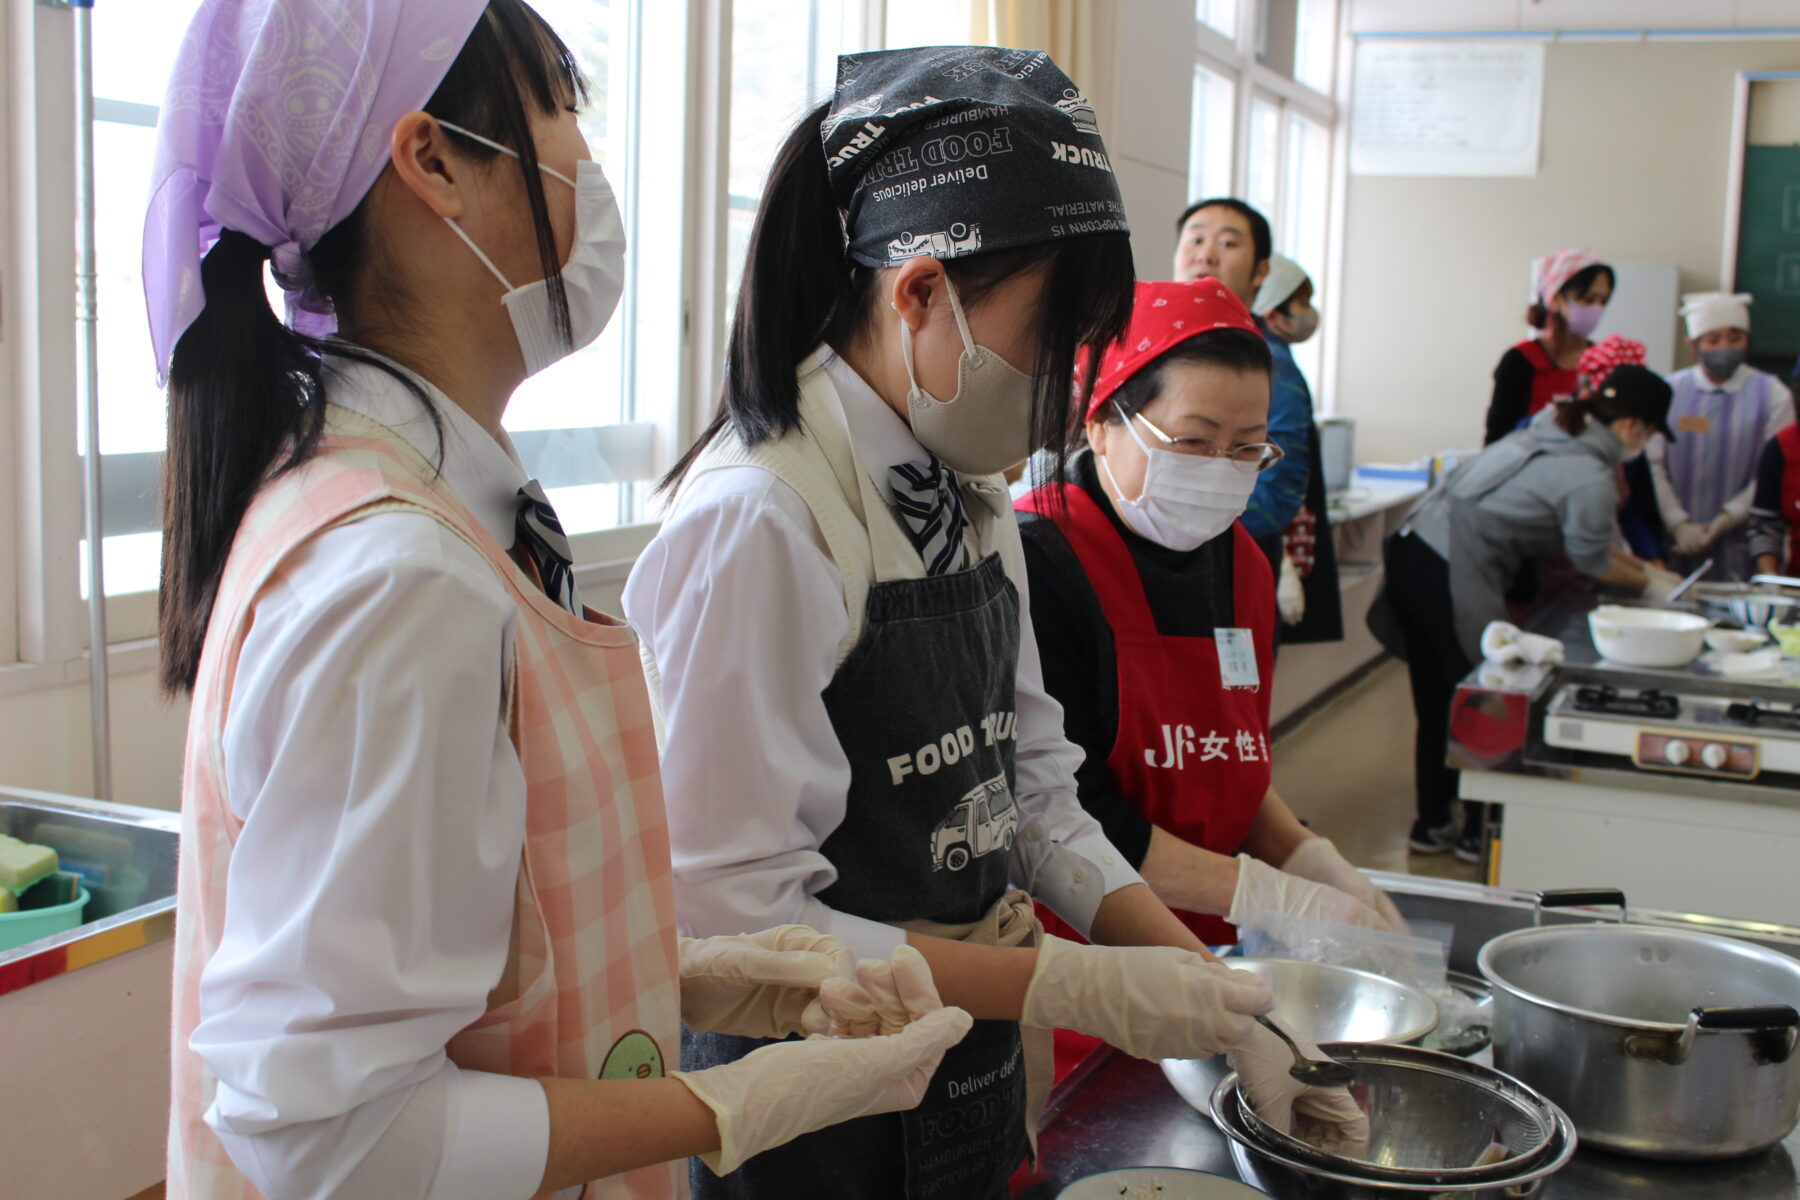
column 1774, row 1028
column 1578, row 898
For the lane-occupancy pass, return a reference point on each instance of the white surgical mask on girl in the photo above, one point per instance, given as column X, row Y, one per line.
column 593, row 278
column 986, row 427
column 1186, row 500
column 1583, row 319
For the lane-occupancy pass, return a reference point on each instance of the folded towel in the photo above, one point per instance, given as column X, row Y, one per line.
column 1504, row 642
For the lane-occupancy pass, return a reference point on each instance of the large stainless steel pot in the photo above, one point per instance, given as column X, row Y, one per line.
column 1666, row 1043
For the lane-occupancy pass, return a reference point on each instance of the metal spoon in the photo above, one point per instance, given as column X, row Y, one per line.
column 1310, row 1071
column 1682, row 587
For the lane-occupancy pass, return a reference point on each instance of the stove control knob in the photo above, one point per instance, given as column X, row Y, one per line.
column 1713, row 755
column 1676, row 752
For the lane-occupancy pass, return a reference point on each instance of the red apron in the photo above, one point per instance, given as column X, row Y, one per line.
column 1192, row 755
column 1789, row 441
column 1548, row 381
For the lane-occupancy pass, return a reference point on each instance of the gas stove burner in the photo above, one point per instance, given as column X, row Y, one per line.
column 1608, row 699
column 1754, row 715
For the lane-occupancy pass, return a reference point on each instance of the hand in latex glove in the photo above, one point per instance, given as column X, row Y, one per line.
column 1318, row 860
column 1324, row 1117
column 1719, row 526
column 773, row 1095
column 1290, row 593
column 902, row 991
column 786, row 980
column 1690, row 537
column 1151, row 1001
column 1262, row 887
column 1662, row 582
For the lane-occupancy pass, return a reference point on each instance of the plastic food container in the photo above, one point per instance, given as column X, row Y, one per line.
column 31, row 923
column 1647, row 637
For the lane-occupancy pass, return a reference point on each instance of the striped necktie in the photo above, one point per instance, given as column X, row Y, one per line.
column 930, row 501
column 540, row 538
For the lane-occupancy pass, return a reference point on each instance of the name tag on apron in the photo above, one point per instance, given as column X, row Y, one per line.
column 1693, row 425
column 1237, row 658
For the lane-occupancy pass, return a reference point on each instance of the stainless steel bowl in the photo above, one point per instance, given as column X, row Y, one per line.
column 1282, row 1174
column 1431, row 1116
column 1751, row 608
column 1323, row 1003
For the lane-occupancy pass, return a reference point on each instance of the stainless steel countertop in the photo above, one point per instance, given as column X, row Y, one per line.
column 1116, row 1111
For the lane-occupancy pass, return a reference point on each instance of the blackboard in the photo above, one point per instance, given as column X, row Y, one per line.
column 1768, row 263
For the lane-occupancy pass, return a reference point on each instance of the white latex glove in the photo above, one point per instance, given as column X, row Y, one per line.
column 1662, row 582
column 1261, row 887
column 1690, row 537
column 1720, row 525
column 901, row 991
column 782, row 981
column 1150, row 1001
column 1318, row 860
column 1324, row 1117
column 1290, row 593
column 773, row 1095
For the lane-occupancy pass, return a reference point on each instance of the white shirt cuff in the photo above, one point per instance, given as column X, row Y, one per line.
column 1071, row 874
column 866, row 938
column 497, row 1138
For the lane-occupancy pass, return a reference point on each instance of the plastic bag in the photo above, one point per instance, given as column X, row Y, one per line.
column 1417, row 960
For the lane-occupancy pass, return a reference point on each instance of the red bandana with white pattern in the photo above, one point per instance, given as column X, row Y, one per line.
column 1165, row 313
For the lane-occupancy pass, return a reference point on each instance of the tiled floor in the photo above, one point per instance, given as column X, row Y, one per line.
column 1348, row 772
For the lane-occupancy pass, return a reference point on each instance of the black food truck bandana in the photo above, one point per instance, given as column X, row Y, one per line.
column 954, row 150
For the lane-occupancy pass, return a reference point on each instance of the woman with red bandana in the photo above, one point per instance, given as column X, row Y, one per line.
column 1153, row 609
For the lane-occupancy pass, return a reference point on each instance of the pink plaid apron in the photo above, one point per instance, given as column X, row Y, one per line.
column 594, row 952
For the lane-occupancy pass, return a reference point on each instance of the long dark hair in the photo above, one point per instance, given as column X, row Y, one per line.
column 246, row 393
column 799, row 290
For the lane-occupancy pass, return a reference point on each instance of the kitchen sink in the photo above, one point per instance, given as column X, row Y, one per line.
column 126, row 858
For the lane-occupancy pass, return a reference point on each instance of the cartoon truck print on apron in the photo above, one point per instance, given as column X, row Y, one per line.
column 985, row 821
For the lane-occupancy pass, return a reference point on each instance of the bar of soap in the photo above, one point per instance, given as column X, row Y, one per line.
column 24, row 863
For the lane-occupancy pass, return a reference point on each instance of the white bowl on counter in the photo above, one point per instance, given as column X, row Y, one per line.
column 1647, row 637
column 1736, row 641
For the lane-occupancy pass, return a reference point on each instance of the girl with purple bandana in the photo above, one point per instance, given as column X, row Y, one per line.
column 426, row 933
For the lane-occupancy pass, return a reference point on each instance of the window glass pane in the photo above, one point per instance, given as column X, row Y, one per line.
column 1209, row 157
column 1305, row 220
column 1264, row 151
column 927, row 23
column 134, row 50
column 1219, row 15
column 1315, row 43
column 590, row 387
column 783, row 62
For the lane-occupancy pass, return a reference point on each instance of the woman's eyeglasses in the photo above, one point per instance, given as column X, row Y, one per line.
column 1250, row 458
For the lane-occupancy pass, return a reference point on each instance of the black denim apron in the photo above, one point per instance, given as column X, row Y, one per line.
column 923, row 707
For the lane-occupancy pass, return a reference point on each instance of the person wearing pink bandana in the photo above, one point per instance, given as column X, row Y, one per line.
column 1573, row 289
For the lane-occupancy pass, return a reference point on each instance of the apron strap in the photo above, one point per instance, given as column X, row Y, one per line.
column 1108, row 564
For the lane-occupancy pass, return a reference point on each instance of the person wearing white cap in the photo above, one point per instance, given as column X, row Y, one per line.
column 1726, row 412
column 1306, row 591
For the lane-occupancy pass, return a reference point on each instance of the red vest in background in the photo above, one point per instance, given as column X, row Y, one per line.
column 1548, row 381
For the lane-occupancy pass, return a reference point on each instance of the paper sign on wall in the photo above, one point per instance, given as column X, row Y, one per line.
column 1446, row 108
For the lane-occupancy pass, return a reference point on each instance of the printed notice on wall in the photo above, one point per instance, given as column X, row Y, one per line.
column 1446, row 108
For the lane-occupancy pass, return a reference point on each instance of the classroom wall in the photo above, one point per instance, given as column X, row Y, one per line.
column 1633, row 165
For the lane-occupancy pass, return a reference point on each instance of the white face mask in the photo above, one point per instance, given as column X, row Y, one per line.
column 986, row 427
column 593, row 278
column 1186, row 500
column 1299, row 326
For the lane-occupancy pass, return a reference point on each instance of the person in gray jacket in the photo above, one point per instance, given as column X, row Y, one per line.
column 1551, row 487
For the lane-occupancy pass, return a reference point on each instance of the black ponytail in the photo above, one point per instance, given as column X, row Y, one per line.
column 799, row 289
column 247, row 394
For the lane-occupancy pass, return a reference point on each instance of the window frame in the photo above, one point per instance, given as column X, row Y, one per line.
column 1236, row 60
